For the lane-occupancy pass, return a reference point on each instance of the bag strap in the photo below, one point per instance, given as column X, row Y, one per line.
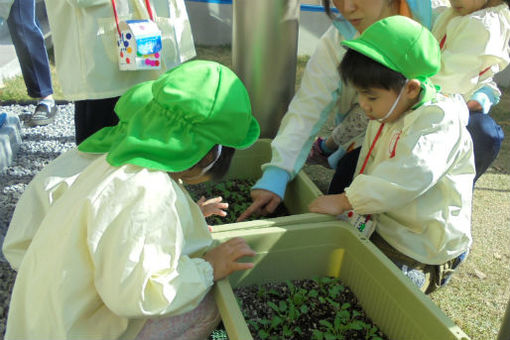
column 149, row 10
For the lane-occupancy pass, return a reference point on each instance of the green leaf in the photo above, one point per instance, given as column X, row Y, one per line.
column 287, row 331
column 263, row 334
column 334, row 291
column 317, row 335
column 273, row 306
column 274, row 292
column 254, row 324
column 338, row 321
column 313, row 293
column 264, row 322
column 344, row 315
column 276, row 321
column 335, row 304
column 298, row 299
column 329, row 336
column 304, row 309
column 283, row 306
column 356, row 325
column 326, row 323
column 293, row 313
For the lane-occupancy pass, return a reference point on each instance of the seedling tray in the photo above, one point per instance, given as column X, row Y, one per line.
column 301, row 191
column 310, row 249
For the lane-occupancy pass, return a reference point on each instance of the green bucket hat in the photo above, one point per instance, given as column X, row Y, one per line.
column 403, row 45
column 173, row 122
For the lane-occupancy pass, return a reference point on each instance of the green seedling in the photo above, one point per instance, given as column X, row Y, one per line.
column 286, row 307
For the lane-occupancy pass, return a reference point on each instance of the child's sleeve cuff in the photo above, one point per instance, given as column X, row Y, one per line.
column 485, row 96
column 273, row 179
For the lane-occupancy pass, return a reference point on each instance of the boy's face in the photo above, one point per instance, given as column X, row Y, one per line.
column 363, row 13
column 465, row 7
column 376, row 102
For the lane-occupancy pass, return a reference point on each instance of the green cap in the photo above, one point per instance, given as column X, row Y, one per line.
column 403, row 45
column 138, row 96
column 171, row 123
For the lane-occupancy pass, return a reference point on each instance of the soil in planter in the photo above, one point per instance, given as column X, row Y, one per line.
column 236, row 192
column 321, row 308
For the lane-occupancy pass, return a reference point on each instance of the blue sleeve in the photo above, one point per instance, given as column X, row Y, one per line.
column 273, row 179
column 486, row 97
column 422, row 11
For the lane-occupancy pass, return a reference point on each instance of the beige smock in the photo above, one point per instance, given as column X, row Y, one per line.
column 475, row 47
column 84, row 36
column 418, row 181
column 109, row 247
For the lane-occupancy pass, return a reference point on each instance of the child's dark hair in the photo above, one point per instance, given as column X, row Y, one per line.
column 220, row 168
column 327, row 8
column 364, row 72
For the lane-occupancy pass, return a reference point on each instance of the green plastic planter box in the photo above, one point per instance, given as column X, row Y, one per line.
column 288, row 252
column 300, row 192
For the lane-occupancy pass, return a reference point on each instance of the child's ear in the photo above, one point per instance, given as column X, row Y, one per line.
column 413, row 88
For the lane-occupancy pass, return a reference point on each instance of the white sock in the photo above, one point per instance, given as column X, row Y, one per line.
column 48, row 102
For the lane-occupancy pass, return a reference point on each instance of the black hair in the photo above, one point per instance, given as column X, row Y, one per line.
column 221, row 166
column 364, row 72
column 327, row 8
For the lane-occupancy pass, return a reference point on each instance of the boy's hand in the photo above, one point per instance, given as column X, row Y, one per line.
column 330, row 204
column 474, row 106
column 264, row 202
column 212, row 206
column 224, row 257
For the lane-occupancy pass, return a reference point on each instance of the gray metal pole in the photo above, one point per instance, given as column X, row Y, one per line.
column 504, row 331
column 264, row 56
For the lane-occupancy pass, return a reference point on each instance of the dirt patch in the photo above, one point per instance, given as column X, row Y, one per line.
column 236, row 192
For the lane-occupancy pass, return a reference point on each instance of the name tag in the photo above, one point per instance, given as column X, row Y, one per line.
column 139, row 45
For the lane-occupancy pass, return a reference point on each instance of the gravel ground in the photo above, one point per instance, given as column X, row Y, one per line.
column 40, row 146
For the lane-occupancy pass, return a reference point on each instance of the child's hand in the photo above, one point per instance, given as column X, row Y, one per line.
column 224, row 257
column 212, row 206
column 264, row 202
column 330, row 204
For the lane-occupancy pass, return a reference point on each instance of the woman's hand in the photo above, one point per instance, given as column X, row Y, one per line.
column 330, row 204
column 224, row 257
column 264, row 203
column 212, row 206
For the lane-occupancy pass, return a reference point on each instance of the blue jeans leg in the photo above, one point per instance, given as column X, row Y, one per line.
column 30, row 48
column 487, row 136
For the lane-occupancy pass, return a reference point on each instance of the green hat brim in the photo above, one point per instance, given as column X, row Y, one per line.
column 136, row 98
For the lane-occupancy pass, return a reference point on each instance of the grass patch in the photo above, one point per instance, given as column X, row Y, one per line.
column 15, row 90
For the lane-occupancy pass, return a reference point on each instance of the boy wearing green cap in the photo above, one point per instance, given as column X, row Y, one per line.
column 107, row 242
column 416, row 166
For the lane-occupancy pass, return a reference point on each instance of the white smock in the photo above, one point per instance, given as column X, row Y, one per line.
column 418, row 181
column 475, row 48
column 84, row 35
column 108, row 248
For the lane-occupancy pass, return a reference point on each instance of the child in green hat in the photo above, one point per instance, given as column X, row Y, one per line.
column 416, row 166
column 106, row 241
